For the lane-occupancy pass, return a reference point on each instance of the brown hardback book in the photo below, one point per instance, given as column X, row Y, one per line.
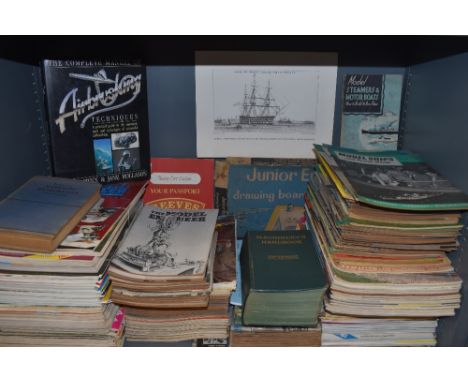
column 43, row 211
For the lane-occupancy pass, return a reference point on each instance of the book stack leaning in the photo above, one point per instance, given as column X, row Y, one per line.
column 283, row 284
column 162, row 274
column 384, row 223
column 59, row 295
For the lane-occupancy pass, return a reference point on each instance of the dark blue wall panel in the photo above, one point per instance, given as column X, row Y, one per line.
column 437, row 116
column 22, row 145
column 171, row 103
column 436, row 127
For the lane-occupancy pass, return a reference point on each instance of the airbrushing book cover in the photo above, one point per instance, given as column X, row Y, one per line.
column 98, row 119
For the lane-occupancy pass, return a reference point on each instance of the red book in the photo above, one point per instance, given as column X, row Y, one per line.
column 181, row 183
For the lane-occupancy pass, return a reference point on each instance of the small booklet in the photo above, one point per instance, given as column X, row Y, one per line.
column 181, row 183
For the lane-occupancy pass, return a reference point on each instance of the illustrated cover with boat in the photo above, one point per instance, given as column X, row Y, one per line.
column 98, row 119
column 396, row 179
column 371, row 111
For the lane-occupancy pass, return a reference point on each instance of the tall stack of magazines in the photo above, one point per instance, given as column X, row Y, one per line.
column 163, row 272
column 62, row 298
column 384, row 223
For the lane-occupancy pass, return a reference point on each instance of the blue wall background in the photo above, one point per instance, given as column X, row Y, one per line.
column 23, row 152
column 436, row 127
column 171, row 103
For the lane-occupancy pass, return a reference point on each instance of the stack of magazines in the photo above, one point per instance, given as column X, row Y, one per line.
column 162, row 273
column 62, row 298
column 384, row 222
column 284, row 336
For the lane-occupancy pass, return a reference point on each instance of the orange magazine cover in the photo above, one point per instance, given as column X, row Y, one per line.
column 181, row 183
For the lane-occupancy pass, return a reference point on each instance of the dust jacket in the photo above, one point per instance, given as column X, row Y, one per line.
column 98, row 119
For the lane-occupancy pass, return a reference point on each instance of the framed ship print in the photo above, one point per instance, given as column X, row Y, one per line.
column 264, row 104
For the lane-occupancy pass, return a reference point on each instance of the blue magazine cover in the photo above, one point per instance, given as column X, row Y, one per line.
column 255, row 191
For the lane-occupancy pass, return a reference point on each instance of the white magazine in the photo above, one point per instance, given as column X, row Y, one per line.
column 164, row 242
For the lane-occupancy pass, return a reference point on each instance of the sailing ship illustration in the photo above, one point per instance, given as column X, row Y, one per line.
column 257, row 109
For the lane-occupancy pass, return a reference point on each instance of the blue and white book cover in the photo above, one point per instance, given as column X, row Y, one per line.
column 255, row 191
column 44, row 204
column 371, row 106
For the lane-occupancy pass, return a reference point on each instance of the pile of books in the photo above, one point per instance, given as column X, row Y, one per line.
column 178, row 324
column 163, row 272
column 283, row 284
column 248, row 335
column 384, row 223
column 62, row 297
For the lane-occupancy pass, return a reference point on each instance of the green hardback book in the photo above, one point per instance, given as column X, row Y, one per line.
column 283, row 280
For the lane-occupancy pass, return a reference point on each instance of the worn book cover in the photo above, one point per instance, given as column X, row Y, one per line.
column 280, row 261
column 371, row 106
column 283, row 280
column 167, row 242
column 181, row 183
column 98, row 119
column 39, row 214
